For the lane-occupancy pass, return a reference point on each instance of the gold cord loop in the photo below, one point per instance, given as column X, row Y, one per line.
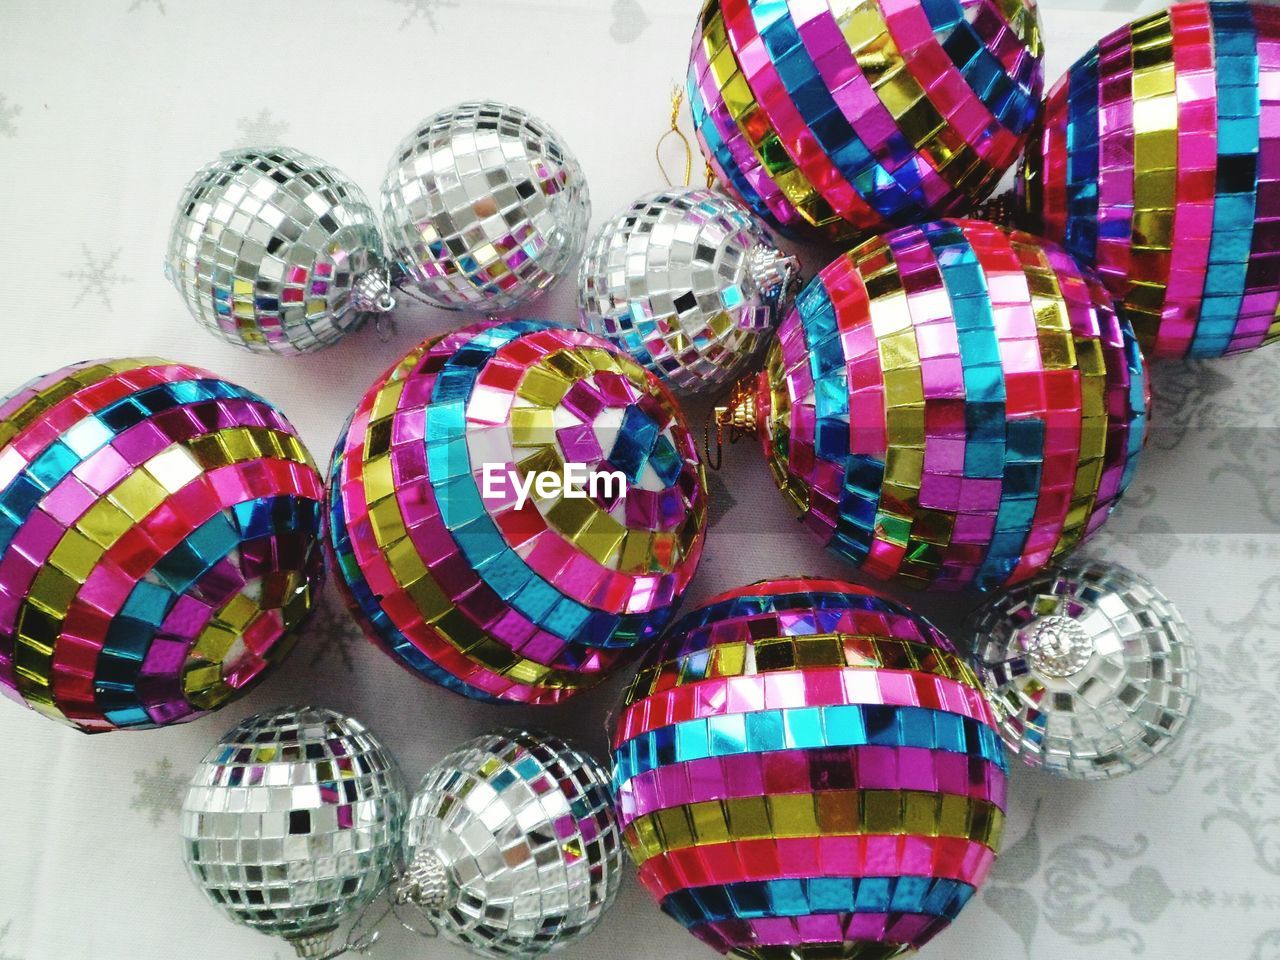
column 677, row 98
column 673, row 130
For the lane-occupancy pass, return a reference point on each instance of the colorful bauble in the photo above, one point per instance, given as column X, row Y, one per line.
column 952, row 405
column 492, row 597
column 293, row 822
column 513, row 846
column 1160, row 165
column 159, row 540
column 1091, row 669
column 840, row 117
column 806, row 769
column 688, row 283
column 485, row 208
column 277, row 252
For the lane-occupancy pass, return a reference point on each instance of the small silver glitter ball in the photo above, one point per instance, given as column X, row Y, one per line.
column 1090, row 668
column 688, row 283
column 293, row 822
column 277, row 252
column 513, row 845
column 485, row 207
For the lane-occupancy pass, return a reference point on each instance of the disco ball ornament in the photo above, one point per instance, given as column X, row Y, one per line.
column 513, row 845
column 806, row 769
column 159, row 541
column 293, row 822
column 485, row 208
column 688, row 283
column 467, row 584
column 1090, row 668
column 951, row 405
column 277, row 252
column 1159, row 163
column 834, row 118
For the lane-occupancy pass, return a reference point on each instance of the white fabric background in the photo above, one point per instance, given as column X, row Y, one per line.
column 105, row 111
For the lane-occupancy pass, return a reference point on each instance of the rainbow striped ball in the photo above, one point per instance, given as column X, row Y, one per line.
column 159, row 540
column 1160, row 165
column 836, row 116
column 805, row 769
column 458, row 581
column 953, row 405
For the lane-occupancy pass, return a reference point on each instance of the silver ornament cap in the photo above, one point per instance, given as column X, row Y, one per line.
column 689, row 283
column 292, row 823
column 1058, row 646
column 314, row 946
column 425, row 883
column 485, row 208
column 1090, row 668
column 513, row 845
column 276, row 251
column 372, row 292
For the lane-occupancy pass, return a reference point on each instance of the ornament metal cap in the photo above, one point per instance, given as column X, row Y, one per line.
column 1000, row 210
column 425, row 884
column 313, row 946
column 372, row 292
column 1058, row 646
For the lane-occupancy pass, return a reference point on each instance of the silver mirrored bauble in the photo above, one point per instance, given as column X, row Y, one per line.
column 1090, row 668
column 293, row 822
column 277, row 252
column 513, row 845
column 485, row 207
column 688, row 283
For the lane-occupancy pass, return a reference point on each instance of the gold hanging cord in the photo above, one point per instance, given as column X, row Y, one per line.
column 673, row 130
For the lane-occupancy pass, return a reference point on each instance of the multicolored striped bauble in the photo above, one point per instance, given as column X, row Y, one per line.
column 842, row 116
column 805, row 769
column 468, row 586
column 1159, row 164
column 159, row 540
column 952, row 405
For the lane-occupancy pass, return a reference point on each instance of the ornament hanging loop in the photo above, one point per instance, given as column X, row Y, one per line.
column 386, row 327
column 356, row 942
column 677, row 98
column 403, row 888
column 673, row 130
column 734, row 420
column 422, row 926
column 713, row 461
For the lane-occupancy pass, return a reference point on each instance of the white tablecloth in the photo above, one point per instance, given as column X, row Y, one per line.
column 107, row 108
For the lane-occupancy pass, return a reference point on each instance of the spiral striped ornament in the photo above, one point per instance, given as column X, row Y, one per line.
column 1159, row 164
column 488, row 598
column 952, row 405
column 805, row 769
column 159, row 540
column 834, row 117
